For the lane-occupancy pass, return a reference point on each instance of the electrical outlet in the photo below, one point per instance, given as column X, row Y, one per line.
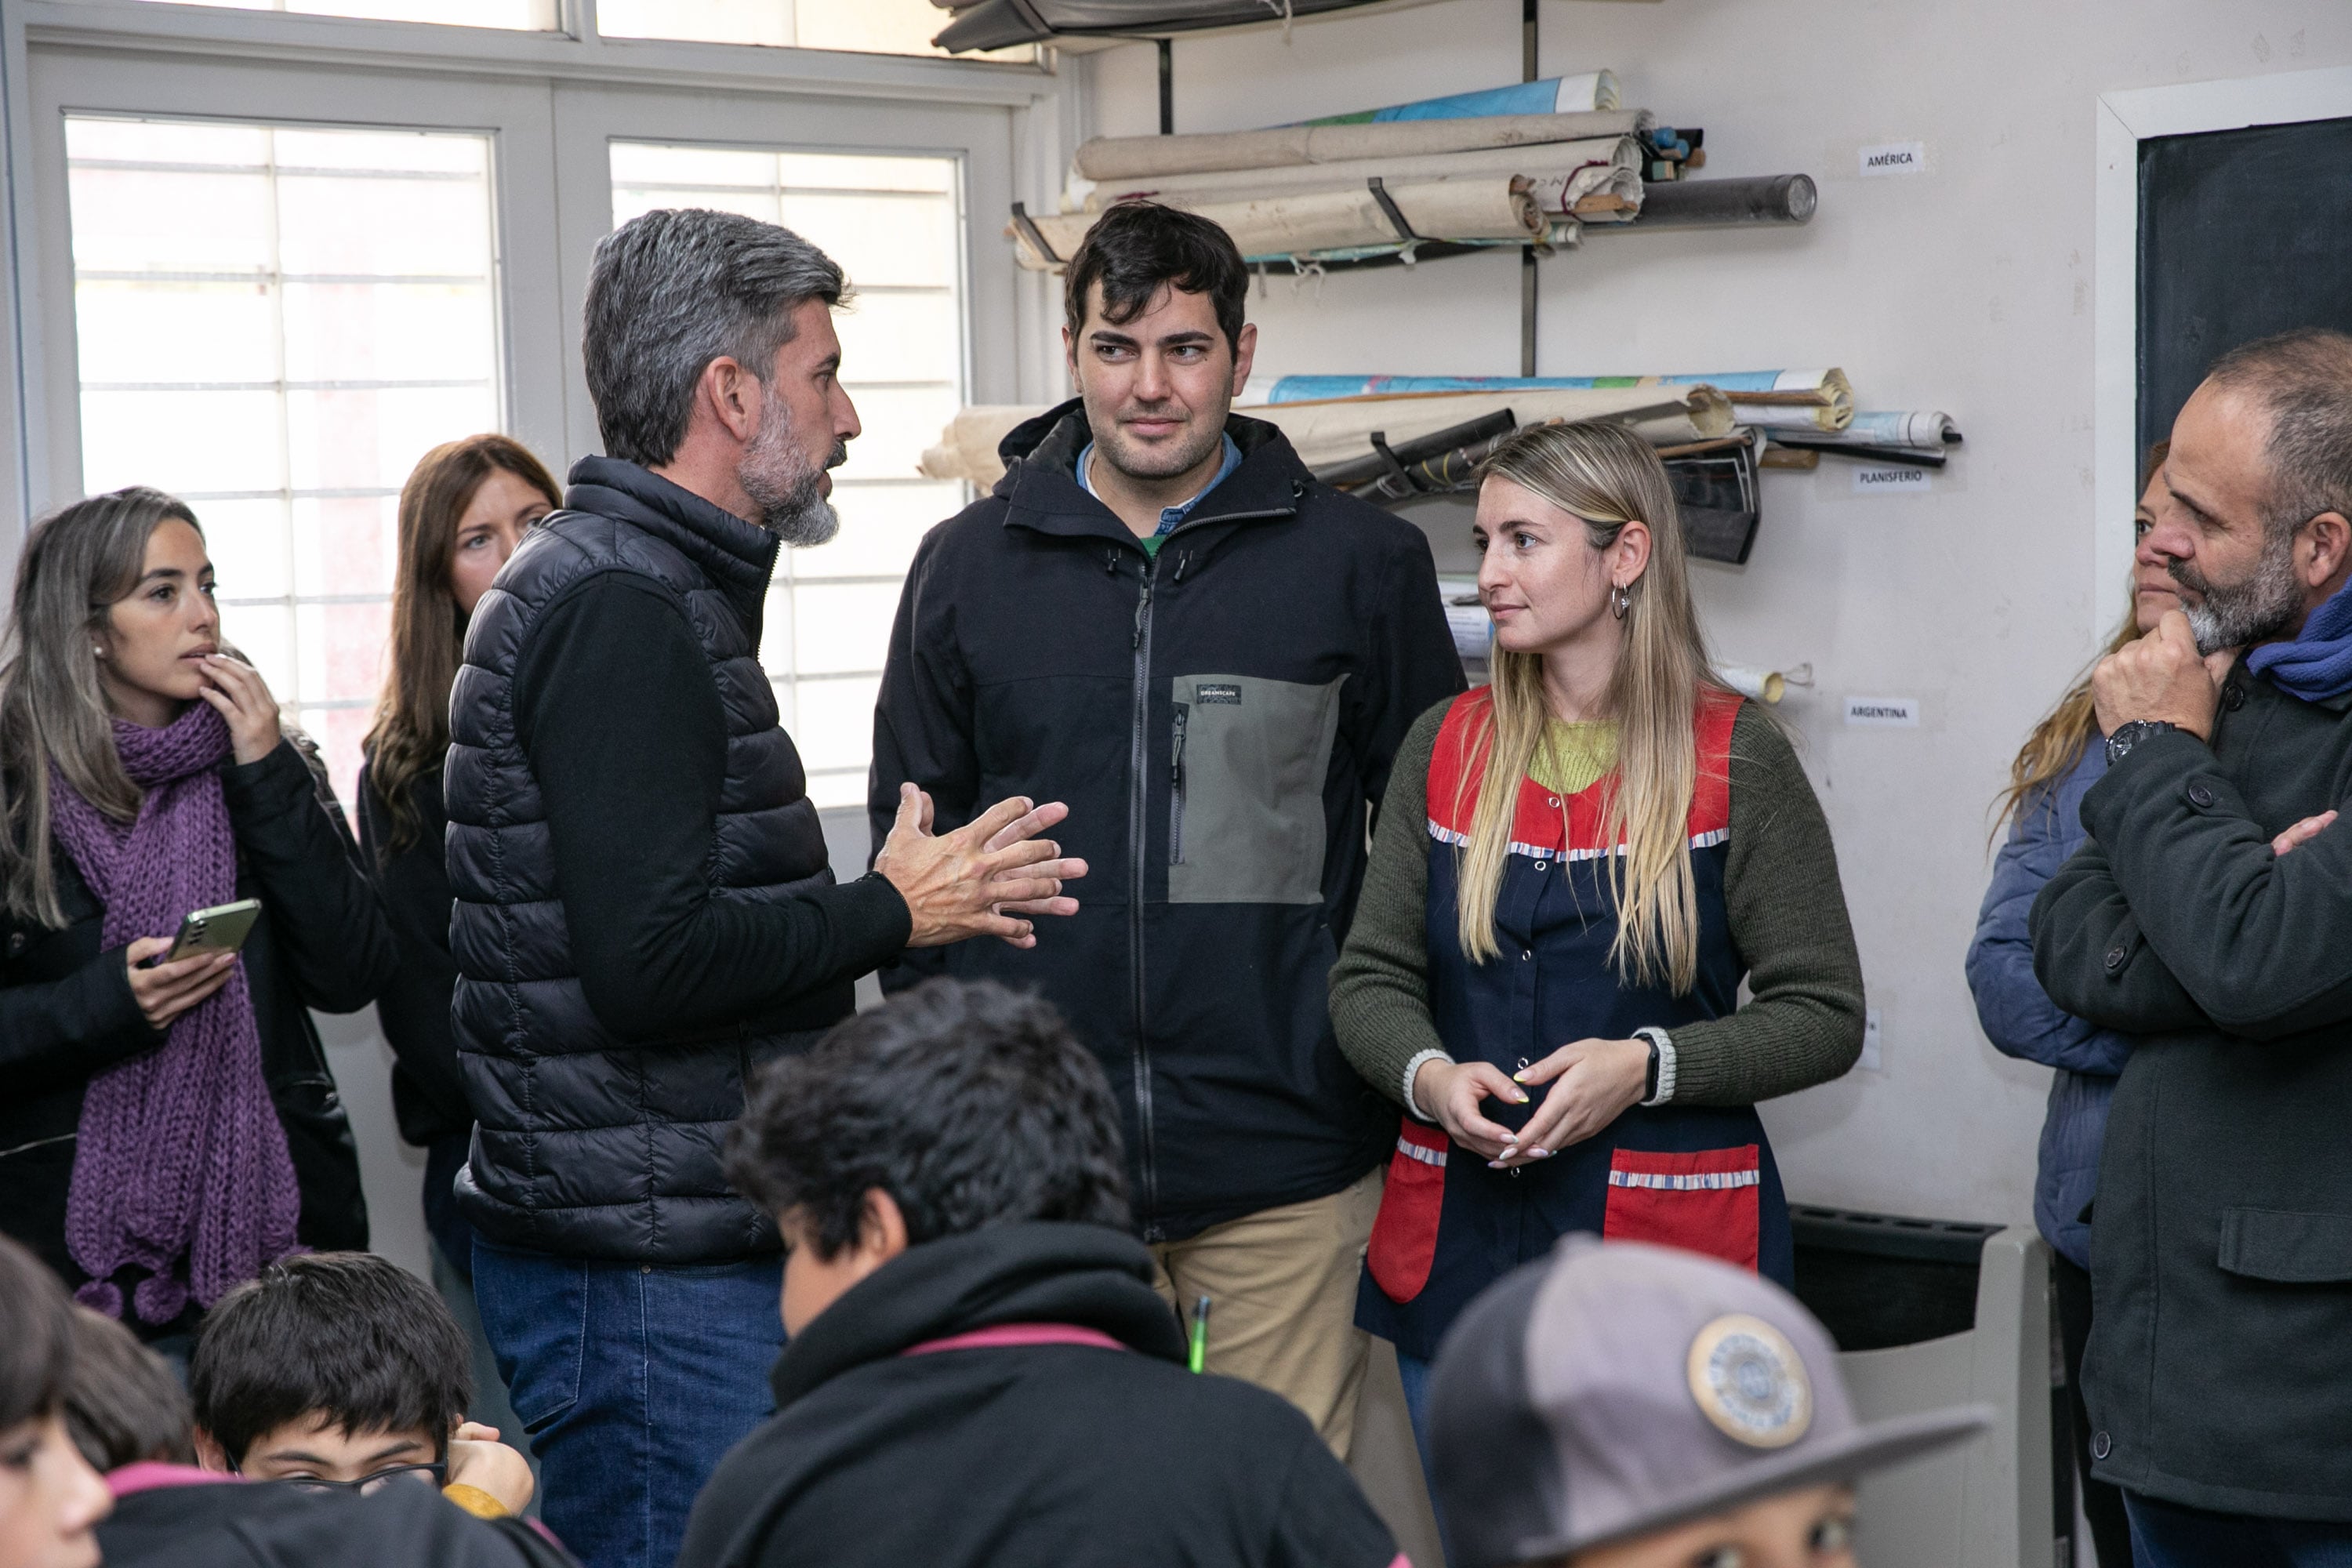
column 1871, row 1061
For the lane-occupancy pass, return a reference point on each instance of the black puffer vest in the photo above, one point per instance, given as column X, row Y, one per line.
column 585, row 1144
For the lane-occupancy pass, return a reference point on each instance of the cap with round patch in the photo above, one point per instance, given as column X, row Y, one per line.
column 1750, row 1381
column 1616, row 1388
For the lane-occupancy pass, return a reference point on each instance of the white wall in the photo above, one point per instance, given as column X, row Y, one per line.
column 1966, row 288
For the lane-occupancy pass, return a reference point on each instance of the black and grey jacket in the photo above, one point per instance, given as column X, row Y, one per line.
column 644, row 909
column 2220, row 1368
column 1220, row 721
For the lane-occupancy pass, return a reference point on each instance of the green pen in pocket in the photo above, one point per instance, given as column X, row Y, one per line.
column 1197, row 1357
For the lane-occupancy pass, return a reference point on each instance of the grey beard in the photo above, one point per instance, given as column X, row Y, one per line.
column 784, row 486
column 2242, row 614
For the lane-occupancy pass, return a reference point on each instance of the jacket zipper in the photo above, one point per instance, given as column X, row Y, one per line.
column 1138, row 806
column 1138, row 813
column 1176, row 789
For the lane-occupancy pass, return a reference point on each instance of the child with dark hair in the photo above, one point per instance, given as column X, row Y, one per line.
column 341, row 1371
column 979, row 1369
column 124, row 1405
column 87, row 1375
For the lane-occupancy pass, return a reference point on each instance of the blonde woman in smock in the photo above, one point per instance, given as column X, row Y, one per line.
column 1575, row 868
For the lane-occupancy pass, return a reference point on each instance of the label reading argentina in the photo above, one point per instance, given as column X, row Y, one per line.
column 1890, row 478
column 1213, row 692
column 1895, row 158
column 1891, row 712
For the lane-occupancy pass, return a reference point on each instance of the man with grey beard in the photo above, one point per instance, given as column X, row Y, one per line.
column 644, row 909
column 2211, row 917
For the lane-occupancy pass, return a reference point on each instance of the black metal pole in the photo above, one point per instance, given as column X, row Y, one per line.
column 1527, row 253
column 1167, row 84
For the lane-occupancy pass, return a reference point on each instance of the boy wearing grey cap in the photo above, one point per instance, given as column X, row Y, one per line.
column 1623, row 1405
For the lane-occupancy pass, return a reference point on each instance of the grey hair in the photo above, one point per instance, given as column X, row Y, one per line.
column 78, row 562
column 673, row 290
column 2303, row 379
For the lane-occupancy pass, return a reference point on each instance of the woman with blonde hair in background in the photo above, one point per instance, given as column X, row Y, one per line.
column 2060, row 760
column 465, row 507
column 1574, row 871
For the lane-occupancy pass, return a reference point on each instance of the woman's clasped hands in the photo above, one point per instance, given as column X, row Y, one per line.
column 1593, row 1082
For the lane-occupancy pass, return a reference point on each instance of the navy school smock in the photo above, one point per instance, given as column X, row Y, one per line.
column 1697, row 1177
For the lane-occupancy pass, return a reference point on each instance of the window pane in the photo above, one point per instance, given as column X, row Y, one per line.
column 863, row 27
column 275, row 324
column 525, row 16
column 894, row 224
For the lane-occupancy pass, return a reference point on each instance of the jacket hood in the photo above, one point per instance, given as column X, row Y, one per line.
column 1041, row 459
column 1035, row 1271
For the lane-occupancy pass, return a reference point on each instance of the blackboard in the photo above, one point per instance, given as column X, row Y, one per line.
column 2242, row 233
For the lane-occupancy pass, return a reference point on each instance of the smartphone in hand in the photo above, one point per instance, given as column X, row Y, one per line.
column 221, row 929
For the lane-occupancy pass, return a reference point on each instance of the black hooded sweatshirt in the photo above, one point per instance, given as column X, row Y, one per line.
column 223, row 1523
column 888, row 1448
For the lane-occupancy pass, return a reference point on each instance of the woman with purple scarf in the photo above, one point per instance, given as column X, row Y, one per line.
column 167, row 1128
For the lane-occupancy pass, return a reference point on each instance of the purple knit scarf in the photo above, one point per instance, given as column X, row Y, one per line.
column 182, row 1169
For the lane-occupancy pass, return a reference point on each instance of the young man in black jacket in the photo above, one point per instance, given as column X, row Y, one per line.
column 980, row 1372
column 644, row 909
column 2219, row 1374
column 1161, row 617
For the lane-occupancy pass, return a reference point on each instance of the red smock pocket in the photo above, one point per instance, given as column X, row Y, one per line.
column 1702, row 1201
column 1404, row 1236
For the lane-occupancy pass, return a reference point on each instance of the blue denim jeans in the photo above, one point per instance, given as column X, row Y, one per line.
column 2167, row 1535
column 633, row 1381
column 1413, row 1373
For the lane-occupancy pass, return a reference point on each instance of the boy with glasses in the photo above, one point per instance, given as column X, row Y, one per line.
column 342, row 1372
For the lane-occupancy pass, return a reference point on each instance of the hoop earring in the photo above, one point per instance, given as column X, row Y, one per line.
column 1620, row 599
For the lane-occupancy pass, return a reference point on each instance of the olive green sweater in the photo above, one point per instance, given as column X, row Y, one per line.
column 1803, row 1024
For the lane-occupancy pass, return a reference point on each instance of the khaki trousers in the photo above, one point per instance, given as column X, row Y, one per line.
column 1282, row 1288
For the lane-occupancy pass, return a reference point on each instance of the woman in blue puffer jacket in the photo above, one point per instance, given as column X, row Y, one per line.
column 2059, row 762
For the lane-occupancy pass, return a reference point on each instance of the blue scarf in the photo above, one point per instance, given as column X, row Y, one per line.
column 2318, row 664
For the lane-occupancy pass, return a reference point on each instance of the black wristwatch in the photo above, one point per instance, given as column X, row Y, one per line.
column 2126, row 736
column 1649, row 1079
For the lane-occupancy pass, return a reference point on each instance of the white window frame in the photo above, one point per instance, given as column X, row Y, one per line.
column 2125, row 119
column 552, row 102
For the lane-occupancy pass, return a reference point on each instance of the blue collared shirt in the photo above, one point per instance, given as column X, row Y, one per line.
column 1169, row 516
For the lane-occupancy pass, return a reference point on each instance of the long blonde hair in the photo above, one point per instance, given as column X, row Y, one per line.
column 2058, row 742
column 1607, row 476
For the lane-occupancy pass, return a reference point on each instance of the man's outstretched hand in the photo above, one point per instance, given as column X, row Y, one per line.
column 961, row 884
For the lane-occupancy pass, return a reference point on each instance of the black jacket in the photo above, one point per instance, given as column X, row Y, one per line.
column 643, row 908
column 67, row 1012
column 428, row 1095
column 257, row 1524
column 2220, row 1368
column 1220, row 721
column 1038, row 1455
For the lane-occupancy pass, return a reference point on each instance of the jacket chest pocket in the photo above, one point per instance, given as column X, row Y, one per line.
column 1247, row 761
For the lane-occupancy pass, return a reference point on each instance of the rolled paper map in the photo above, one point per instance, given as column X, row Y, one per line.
column 1146, row 157
column 1764, row 685
column 1326, row 434
column 1551, row 95
column 1553, row 161
column 1302, row 222
column 1775, row 399
column 1929, row 429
